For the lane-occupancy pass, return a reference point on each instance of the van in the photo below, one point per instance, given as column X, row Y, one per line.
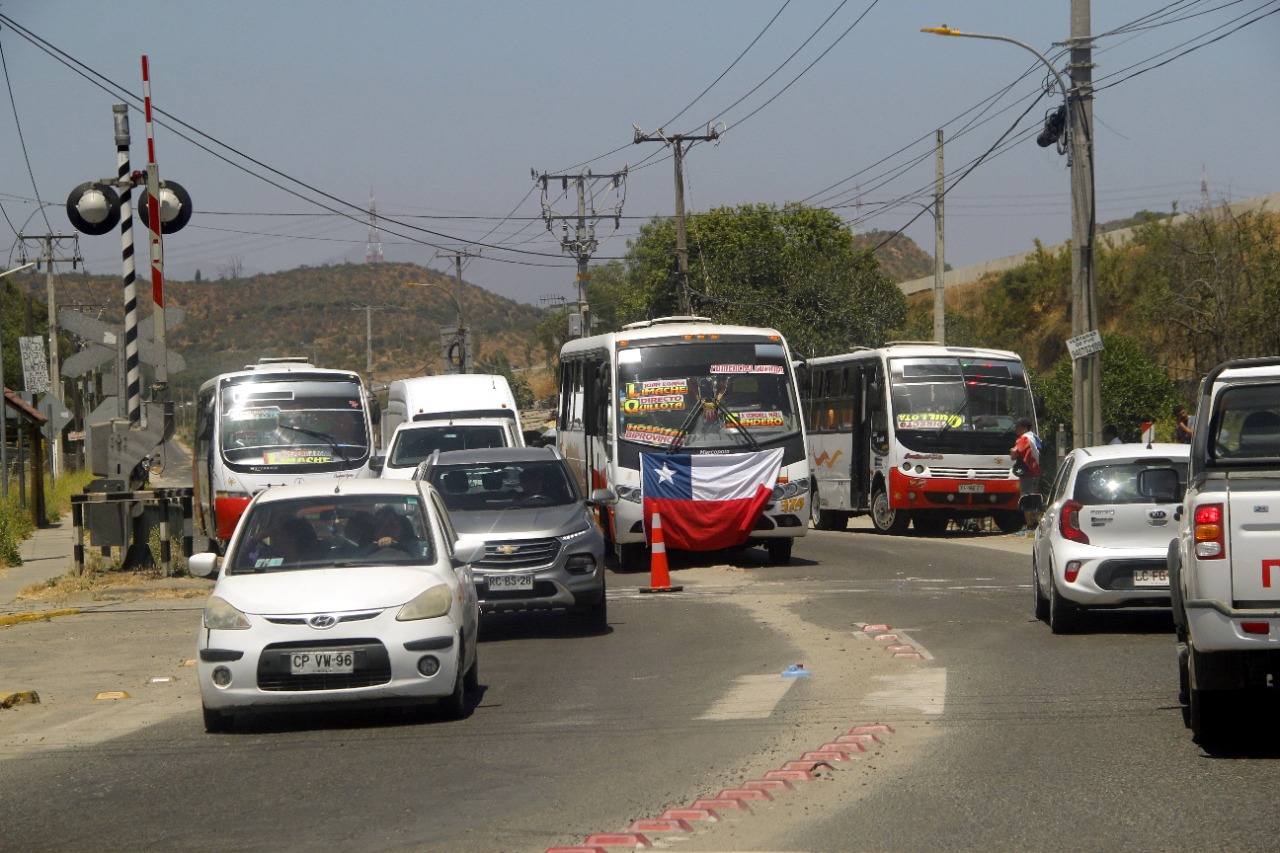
column 451, row 412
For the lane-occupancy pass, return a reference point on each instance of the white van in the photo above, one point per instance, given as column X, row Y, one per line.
column 449, row 412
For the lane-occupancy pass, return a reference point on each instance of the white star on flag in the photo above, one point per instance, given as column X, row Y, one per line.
column 665, row 474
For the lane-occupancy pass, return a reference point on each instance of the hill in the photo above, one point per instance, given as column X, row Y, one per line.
column 901, row 258
column 334, row 314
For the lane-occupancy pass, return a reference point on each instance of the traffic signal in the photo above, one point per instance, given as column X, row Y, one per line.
column 1054, row 124
column 93, row 208
column 175, row 207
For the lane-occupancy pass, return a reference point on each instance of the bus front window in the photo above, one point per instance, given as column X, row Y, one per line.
column 293, row 423
column 705, row 395
column 950, row 405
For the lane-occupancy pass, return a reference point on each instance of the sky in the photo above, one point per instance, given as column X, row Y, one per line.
column 283, row 119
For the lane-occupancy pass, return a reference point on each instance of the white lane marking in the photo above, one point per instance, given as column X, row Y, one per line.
column 924, row 690
column 752, row 697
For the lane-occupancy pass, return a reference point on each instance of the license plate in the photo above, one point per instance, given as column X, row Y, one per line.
column 498, row 583
column 1151, row 577
column 319, row 661
column 972, row 488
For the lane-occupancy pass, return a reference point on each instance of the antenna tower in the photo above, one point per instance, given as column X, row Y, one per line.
column 373, row 246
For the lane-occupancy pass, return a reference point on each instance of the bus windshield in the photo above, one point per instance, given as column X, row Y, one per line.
column 958, row 405
column 705, row 395
column 292, row 423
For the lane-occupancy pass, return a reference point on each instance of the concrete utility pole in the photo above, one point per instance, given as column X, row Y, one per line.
column 1086, row 374
column 368, row 334
column 47, row 241
column 677, row 143
column 460, row 338
column 583, row 244
column 939, row 258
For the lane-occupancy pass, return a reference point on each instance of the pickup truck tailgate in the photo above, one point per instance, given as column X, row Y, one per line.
column 1253, row 519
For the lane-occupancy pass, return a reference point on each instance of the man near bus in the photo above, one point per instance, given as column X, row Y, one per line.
column 1026, row 458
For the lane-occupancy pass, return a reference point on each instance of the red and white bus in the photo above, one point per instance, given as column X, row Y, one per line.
column 276, row 422
column 915, row 433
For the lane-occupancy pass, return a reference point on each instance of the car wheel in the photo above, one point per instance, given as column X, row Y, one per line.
column 1206, row 708
column 1064, row 615
column 595, row 618
column 1041, row 603
column 454, row 706
column 1009, row 520
column 471, row 679
column 779, row 551
column 633, row 557
column 216, row 721
column 885, row 518
column 1184, row 671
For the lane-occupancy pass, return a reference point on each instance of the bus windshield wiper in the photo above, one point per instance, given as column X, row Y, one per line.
column 323, row 436
column 738, row 429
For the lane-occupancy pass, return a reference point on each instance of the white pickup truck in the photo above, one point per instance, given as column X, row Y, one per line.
column 1224, row 566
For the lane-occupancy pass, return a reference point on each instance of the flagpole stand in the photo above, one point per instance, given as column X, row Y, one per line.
column 659, row 576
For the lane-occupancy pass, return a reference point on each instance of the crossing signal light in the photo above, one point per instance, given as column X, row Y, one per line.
column 1054, row 123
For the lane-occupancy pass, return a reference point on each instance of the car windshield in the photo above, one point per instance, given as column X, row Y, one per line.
column 480, row 486
column 958, row 405
column 293, row 423
column 412, row 445
column 1117, row 482
column 328, row 531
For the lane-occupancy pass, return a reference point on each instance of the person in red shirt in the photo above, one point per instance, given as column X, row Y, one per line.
column 1026, row 457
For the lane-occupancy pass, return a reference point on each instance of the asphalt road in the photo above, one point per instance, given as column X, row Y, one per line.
column 1004, row 736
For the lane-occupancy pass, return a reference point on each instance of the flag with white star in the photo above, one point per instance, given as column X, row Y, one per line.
column 707, row 501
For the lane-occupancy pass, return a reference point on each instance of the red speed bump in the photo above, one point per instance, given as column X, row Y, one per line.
column 885, row 638
column 902, row 647
column 909, row 655
column 854, row 737
column 745, row 794
column 657, row 824
column 630, row 840
column 708, row 815
column 825, row 755
column 842, row 747
column 809, row 766
column 578, row 849
column 872, row 629
column 791, row 775
column 872, row 729
column 769, row 784
column 719, row 803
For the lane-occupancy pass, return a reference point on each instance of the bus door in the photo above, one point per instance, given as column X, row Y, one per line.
column 872, row 446
column 859, row 428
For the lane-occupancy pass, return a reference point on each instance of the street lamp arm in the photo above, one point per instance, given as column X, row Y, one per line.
column 944, row 30
column 17, row 269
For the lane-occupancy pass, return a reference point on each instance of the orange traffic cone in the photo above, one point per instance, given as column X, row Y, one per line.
column 658, row 574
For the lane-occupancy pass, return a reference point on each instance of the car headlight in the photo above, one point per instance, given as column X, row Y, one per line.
column 436, row 601
column 569, row 537
column 628, row 493
column 219, row 615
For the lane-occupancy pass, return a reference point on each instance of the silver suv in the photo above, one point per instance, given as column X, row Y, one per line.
column 543, row 548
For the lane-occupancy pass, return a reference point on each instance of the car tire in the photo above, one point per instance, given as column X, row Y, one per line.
column 454, row 706
column 1184, row 671
column 1207, row 709
column 471, row 679
column 633, row 557
column 595, row 617
column 779, row 551
column 1064, row 615
column 1009, row 520
column 216, row 722
column 1041, row 608
column 885, row 519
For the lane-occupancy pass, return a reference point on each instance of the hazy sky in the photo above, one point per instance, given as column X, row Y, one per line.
column 442, row 109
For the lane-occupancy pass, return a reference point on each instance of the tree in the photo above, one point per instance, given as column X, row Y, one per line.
column 794, row 269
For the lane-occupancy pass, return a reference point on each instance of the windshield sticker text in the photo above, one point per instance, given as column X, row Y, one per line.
column 746, row 368
column 296, row 457
column 922, row 420
column 755, row 419
column 650, row 434
column 637, row 405
column 657, row 386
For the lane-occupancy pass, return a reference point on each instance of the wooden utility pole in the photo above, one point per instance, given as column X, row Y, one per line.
column 1086, row 376
column 939, row 254
column 677, row 142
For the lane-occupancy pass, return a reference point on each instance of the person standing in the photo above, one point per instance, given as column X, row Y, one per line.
column 1026, row 464
column 1181, row 425
column 1110, row 435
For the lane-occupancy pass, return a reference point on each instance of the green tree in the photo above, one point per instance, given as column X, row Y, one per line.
column 792, row 268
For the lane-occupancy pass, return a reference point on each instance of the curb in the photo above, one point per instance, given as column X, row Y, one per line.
column 36, row 617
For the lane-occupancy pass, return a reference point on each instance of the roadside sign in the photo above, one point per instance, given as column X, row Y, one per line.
column 1084, row 345
column 53, row 408
column 35, row 370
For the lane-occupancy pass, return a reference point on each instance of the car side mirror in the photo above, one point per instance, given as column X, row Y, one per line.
column 472, row 552
column 1159, row 484
column 377, row 462
column 203, row 565
column 603, row 497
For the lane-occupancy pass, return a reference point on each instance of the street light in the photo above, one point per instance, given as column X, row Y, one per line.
column 1086, row 390
column 4, row 405
column 460, row 344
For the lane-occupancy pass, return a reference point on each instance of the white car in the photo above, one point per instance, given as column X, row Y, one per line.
column 1100, row 543
column 339, row 594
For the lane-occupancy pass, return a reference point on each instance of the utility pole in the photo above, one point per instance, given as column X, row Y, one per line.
column 368, row 334
column 583, row 244
column 1086, row 376
column 677, row 143
column 48, row 241
column 939, row 259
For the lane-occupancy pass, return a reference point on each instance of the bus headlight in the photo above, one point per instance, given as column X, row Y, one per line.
column 628, row 493
column 791, row 489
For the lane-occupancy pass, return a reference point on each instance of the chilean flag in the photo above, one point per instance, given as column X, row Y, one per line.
column 707, row 501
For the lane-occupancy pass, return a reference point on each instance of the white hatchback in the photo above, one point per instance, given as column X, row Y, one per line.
column 347, row 594
column 1099, row 542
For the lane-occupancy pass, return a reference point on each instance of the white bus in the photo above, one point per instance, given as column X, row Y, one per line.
column 686, row 386
column 276, row 422
column 915, row 433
